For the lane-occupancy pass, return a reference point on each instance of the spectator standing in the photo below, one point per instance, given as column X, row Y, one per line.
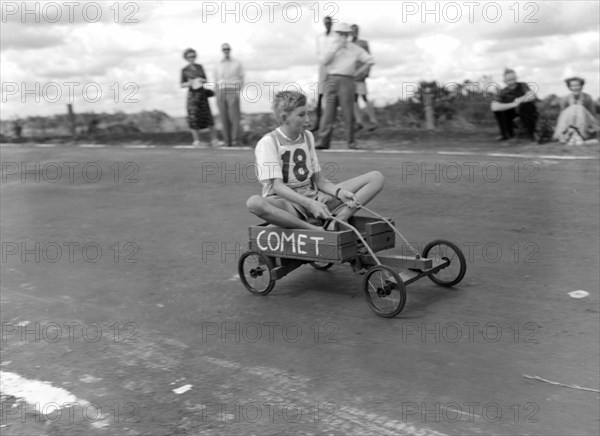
column 198, row 109
column 229, row 78
column 340, row 61
column 322, row 42
column 361, row 86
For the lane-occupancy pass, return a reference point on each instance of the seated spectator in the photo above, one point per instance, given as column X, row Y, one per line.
column 577, row 120
column 515, row 100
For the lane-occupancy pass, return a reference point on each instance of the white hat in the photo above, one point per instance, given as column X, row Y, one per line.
column 342, row 28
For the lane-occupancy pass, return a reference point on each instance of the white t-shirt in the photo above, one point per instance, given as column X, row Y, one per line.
column 293, row 160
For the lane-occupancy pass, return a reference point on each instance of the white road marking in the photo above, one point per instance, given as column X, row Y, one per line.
column 43, row 397
column 459, row 153
column 343, row 150
column 395, row 151
column 579, row 294
column 542, row 156
column 182, row 389
column 340, row 150
column 35, row 391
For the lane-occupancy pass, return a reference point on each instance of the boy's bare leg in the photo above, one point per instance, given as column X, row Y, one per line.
column 365, row 188
column 279, row 212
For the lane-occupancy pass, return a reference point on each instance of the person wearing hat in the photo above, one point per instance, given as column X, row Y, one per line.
column 340, row 61
column 515, row 100
column 322, row 42
column 576, row 121
column 361, row 87
column 229, row 78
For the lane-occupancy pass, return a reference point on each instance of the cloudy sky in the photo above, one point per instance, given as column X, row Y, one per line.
column 127, row 56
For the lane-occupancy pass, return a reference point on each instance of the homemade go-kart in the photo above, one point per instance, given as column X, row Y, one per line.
column 274, row 252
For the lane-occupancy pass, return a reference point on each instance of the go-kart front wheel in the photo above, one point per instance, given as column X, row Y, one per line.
column 384, row 290
column 255, row 270
column 446, row 251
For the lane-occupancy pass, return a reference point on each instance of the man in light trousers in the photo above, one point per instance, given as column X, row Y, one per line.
column 229, row 78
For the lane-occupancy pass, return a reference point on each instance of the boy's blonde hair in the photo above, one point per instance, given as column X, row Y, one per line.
column 286, row 102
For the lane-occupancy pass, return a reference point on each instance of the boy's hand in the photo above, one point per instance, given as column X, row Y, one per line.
column 348, row 198
column 319, row 210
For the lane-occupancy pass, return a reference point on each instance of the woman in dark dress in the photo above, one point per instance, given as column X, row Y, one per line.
column 199, row 115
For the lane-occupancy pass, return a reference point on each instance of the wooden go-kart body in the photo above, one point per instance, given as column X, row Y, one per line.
column 274, row 252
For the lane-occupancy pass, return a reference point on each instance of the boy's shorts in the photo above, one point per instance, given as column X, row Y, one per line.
column 331, row 202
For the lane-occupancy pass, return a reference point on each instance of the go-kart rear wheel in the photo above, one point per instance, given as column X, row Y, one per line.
column 321, row 266
column 255, row 270
column 384, row 290
column 440, row 251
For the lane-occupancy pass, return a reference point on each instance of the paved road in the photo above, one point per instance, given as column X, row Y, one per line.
column 131, row 293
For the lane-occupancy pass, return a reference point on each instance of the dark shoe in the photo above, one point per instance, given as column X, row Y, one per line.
column 373, row 128
column 358, row 127
column 321, row 147
column 357, row 266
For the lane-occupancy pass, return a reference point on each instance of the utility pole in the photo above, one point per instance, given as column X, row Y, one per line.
column 72, row 126
column 428, row 101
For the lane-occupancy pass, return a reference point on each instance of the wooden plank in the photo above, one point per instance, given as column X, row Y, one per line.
column 377, row 227
column 302, row 244
column 347, row 252
column 381, row 241
column 333, row 238
column 360, row 222
column 327, row 253
column 285, row 268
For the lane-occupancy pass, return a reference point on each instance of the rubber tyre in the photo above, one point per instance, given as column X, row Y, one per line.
column 321, row 266
column 385, row 297
column 264, row 265
column 459, row 257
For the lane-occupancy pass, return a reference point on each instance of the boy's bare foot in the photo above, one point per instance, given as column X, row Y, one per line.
column 357, row 266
